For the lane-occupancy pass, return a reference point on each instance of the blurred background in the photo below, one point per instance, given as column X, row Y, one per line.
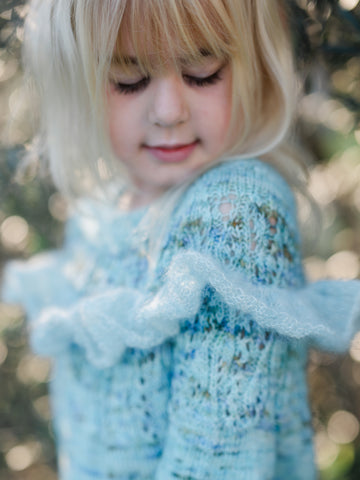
column 327, row 46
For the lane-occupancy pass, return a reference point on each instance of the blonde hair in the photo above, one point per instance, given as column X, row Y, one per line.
column 70, row 44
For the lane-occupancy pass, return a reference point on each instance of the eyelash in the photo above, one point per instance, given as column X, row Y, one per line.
column 189, row 79
column 203, row 82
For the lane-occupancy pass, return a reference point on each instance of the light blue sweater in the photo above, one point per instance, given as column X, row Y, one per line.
column 198, row 371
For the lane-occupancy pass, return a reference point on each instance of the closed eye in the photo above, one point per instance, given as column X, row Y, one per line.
column 191, row 80
column 203, row 81
column 128, row 88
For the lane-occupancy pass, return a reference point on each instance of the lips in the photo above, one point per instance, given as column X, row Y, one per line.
column 172, row 153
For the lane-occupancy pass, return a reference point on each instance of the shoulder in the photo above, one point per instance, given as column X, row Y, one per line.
column 239, row 183
column 243, row 214
column 248, row 177
column 252, row 172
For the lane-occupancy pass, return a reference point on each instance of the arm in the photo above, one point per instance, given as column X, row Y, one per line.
column 223, row 398
column 221, row 419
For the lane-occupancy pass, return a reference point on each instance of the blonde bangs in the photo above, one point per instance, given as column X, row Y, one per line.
column 164, row 31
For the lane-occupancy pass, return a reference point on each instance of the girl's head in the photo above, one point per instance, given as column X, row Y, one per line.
column 157, row 90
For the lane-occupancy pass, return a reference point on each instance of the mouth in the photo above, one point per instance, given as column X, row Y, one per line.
column 172, row 153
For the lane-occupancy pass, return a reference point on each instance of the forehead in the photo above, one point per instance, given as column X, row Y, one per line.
column 164, row 31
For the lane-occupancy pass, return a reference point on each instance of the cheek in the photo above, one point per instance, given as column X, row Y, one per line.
column 228, row 128
column 217, row 102
column 217, row 115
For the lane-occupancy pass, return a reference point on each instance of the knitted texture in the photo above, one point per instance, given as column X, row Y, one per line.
column 198, row 371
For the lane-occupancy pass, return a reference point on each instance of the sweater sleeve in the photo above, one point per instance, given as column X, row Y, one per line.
column 233, row 377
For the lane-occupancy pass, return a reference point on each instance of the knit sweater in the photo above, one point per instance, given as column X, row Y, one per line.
column 196, row 368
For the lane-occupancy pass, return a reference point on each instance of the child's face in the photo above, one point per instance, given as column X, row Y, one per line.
column 166, row 127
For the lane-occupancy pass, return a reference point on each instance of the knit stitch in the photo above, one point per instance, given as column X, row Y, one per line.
column 198, row 371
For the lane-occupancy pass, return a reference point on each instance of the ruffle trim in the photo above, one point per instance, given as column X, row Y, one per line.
column 325, row 313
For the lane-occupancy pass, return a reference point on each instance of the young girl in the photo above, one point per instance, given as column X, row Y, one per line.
column 176, row 313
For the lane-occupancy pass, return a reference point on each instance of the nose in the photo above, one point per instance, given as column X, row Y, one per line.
column 168, row 104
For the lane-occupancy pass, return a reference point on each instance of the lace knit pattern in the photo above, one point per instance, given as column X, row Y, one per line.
column 197, row 372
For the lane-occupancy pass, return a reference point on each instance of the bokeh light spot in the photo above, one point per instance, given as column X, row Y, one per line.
column 33, row 369
column 322, row 185
column 58, row 207
column 344, row 264
column 326, row 450
column 355, row 348
column 42, row 406
column 315, row 268
column 343, row 427
column 21, row 457
column 348, row 4
column 11, row 316
column 6, row 15
column 14, row 233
